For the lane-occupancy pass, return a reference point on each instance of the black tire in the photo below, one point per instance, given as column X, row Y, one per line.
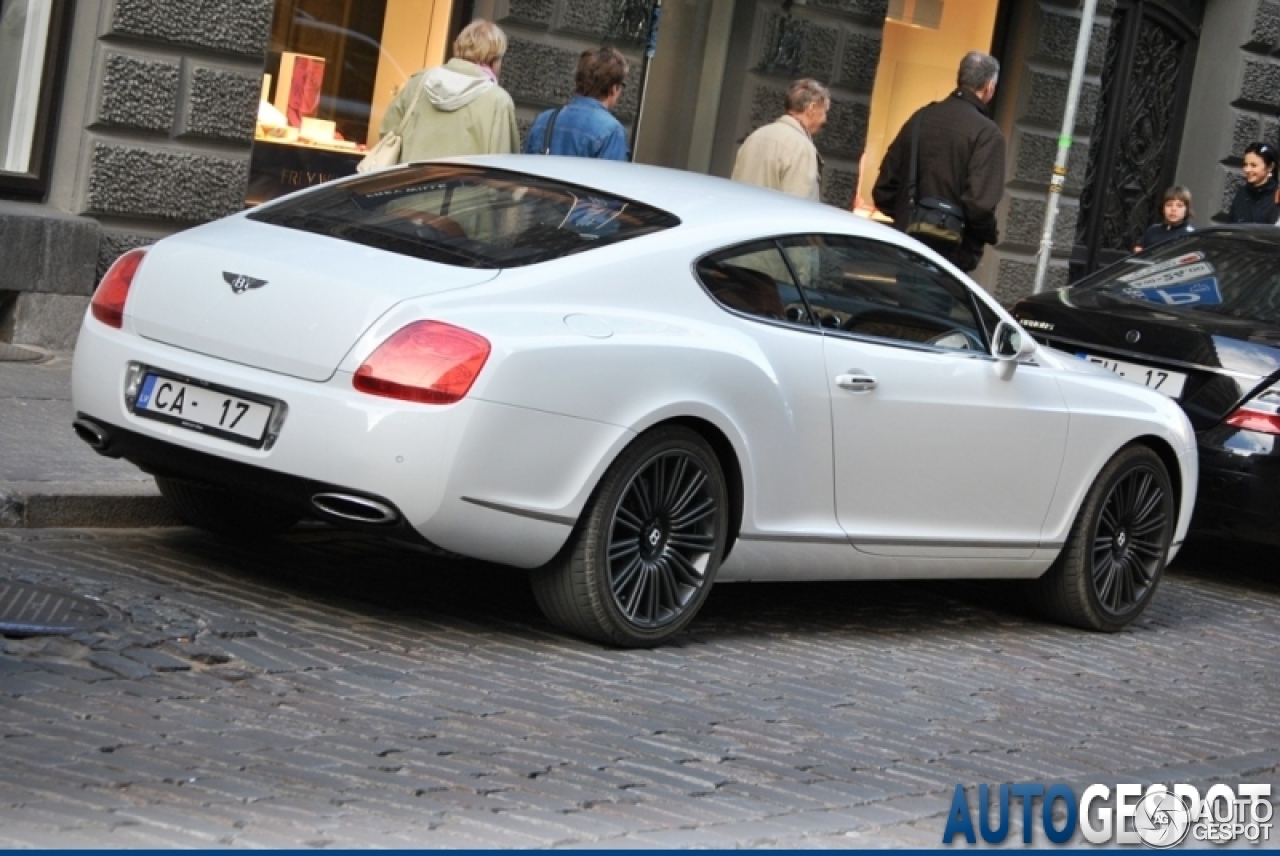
column 225, row 511
column 1115, row 555
column 642, row 559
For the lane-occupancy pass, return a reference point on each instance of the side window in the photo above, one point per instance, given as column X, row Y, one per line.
column 869, row 288
column 754, row 279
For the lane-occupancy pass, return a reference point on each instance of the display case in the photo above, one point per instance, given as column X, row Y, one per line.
column 333, row 68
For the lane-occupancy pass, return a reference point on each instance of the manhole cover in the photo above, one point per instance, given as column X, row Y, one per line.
column 14, row 354
column 27, row 610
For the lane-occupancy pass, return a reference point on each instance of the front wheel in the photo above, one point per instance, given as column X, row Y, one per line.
column 1116, row 553
column 643, row 557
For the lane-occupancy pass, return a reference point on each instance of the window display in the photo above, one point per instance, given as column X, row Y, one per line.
column 332, row 69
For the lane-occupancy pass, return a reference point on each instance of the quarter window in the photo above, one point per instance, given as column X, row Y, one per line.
column 869, row 288
column 753, row 279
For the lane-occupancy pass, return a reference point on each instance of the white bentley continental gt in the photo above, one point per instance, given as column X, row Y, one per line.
column 630, row 382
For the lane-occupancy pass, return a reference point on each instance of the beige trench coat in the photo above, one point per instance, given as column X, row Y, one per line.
column 780, row 156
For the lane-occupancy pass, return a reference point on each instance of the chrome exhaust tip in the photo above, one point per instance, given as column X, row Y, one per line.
column 354, row 509
column 92, row 433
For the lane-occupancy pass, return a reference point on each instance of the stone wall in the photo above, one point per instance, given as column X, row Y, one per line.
column 1237, row 84
column 169, row 92
column 1032, row 101
column 545, row 38
column 834, row 41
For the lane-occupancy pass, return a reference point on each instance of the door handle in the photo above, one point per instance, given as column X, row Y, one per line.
column 856, row 382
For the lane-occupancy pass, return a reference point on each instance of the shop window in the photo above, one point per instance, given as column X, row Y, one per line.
column 924, row 41
column 32, row 44
column 333, row 68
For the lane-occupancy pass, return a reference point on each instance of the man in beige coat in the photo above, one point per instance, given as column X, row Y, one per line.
column 461, row 109
column 781, row 155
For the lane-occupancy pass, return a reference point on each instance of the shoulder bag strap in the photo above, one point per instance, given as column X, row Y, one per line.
column 546, row 135
column 915, row 152
column 413, row 102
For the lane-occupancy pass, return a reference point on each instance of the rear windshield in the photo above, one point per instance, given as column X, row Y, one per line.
column 1231, row 273
column 467, row 216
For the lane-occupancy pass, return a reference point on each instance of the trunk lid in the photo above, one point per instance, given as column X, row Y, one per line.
column 1224, row 359
column 274, row 298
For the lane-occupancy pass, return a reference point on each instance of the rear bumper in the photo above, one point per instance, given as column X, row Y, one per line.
column 1239, row 485
column 485, row 480
column 162, row 458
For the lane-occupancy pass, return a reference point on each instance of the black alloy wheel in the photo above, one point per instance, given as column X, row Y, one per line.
column 661, row 538
column 643, row 558
column 1130, row 541
column 1119, row 545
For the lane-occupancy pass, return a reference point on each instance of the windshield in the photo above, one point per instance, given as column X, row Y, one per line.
column 1230, row 273
column 467, row 216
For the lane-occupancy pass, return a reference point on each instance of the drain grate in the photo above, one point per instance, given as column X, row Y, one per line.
column 27, row 610
column 14, row 354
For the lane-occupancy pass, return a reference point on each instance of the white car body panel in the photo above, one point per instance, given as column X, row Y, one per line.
column 268, row 326
column 583, row 362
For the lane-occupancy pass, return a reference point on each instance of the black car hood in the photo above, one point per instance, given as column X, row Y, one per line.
column 1207, row 340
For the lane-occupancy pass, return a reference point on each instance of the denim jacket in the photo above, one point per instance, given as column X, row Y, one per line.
column 583, row 128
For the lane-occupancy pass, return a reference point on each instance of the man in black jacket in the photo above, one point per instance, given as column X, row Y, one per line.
column 960, row 159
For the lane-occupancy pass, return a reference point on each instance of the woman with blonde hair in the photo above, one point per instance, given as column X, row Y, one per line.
column 458, row 108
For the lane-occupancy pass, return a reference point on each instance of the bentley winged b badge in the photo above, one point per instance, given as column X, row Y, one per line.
column 240, row 283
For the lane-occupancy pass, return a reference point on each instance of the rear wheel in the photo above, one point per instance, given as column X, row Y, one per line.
column 643, row 557
column 1118, row 547
column 226, row 511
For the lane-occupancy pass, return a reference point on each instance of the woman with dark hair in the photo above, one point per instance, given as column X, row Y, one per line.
column 585, row 127
column 1256, row 201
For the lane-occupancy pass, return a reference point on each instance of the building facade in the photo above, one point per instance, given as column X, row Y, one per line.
column 122, row 121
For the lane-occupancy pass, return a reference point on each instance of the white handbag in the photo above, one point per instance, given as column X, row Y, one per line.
column 386, row 152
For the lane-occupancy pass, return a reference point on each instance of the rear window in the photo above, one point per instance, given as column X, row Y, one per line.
column 467, row 216
column 1231, row 273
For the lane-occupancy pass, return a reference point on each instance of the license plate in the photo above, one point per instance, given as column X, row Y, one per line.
column 232, row 415
column 1161, row 380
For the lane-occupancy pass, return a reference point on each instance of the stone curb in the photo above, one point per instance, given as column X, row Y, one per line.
column 39, row 510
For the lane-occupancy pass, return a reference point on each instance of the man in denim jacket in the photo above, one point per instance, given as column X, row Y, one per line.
column 584, row 127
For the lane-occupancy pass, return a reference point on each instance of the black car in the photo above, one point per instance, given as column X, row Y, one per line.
column 1197, row 318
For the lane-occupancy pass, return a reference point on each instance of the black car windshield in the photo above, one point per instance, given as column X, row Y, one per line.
column 1231, row 272
column 467, row 216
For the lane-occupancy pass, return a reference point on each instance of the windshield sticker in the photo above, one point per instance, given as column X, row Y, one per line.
column 1184, row 259
column 1200, row 292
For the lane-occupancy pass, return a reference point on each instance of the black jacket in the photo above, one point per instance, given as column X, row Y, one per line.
column 1161, row 232
column 1255, row 204
column 961, row 159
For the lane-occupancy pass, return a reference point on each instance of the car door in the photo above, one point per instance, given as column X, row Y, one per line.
column 935, row 454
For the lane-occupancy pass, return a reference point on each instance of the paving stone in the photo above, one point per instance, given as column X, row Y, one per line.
column 352, row 715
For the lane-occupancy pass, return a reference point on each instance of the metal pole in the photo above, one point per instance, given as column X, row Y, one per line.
column 1064, row 142
column 650, row 48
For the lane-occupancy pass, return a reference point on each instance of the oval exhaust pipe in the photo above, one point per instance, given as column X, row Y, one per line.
column 92, row 433
column 354, row 509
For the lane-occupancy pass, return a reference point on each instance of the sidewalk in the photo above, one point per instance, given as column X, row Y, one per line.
column 48, row 476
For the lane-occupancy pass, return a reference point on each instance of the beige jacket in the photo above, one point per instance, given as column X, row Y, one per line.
column 780, row 156
column 461, row 112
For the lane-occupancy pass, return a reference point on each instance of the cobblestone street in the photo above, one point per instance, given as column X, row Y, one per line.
column 328, row 690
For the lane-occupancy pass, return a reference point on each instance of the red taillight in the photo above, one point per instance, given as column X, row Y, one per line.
column 1260, row 413
column 428, row 361
column 113, row 291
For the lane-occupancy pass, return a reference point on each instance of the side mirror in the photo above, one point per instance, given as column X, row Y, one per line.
column 1010, row 344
